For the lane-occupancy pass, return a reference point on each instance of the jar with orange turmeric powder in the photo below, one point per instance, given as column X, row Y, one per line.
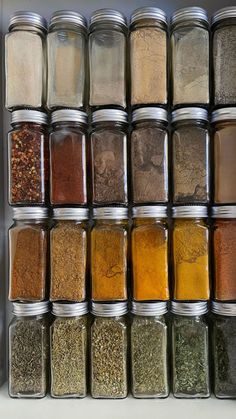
column 190, row 247
column 149, row 240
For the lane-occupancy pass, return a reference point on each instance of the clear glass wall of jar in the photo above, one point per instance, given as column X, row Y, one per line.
column 149, row 350
column 190, row 253
column 109, row 351
column 190, row 156
column 190, row 350
column 190, row 57
column 29, row 350
column 148, row 62
column 108, row 144
column 69, row 350
column 28, row 254
column 149, row 255
column 67, row 54
column 149, row 156
column 25, row 64
column 68, row 158
column 109, row 250
column 107, row 45
column 68, row 251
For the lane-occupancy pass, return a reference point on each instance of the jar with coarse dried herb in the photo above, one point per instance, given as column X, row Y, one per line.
column 29, row 350
column 28, row 254
column 149, row 156
column 109, row 351
column 68, row 254
column 68, row 350
column 149, row 350
column 109, row 157
column 28, row 158
column 190, row 350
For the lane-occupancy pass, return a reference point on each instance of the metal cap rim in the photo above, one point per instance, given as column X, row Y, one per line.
column 189, row 13
column 29, row 213
column 224, row 309
column 110, row 213
column 189, row 309
column 69, row 309
column 152, row 211
column 68, row 16
column 69, row 115
column 189, row 113
column 149, row 112
column 109, row 115
column 22, row 18
column 30, row 309
column 149, row 308
column 190, row 211
column 70, row 213
column 109, row 309
column 148, row 13
column 29, row 115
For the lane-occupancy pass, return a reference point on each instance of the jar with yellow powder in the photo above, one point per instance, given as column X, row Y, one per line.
column 190, row 248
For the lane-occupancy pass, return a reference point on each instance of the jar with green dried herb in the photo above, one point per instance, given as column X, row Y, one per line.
column 149, row 350
column 190, row 350
column 109, row 351
column 29, row 350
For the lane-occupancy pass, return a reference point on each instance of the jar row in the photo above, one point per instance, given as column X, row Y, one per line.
column 49, row 67
column 110, row 338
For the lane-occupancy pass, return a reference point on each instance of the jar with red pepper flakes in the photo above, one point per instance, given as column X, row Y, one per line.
column 28, row 158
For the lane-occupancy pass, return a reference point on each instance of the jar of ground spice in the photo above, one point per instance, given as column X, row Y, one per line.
column 149, row 156
column 28, row 158
column 68, row 177
column 109, row 244
column 148, row 56
column 149, row 259
column 109, row 351
column 68, row 251
column 190, row 57
column 29, row 350
column 190, row 156
column 190, row 253
column 108, row 144
column 28, row 254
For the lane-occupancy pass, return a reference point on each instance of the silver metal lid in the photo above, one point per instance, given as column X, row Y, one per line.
column 27, row 18
column 149, row 309
column 148, row 13
column 29, row 213
column 223, row 114
column 108, row 16
column 151, row 211
column 28, row 115
column 158, row 114
column 225, row 309
column 226, row 12
column 69, row 115
column 224, row 211
column 189, row 211
column 189, row 309
column 69, row 309
column 189, row 113
column 109, row 115
column 31, row 309
column 109, row 309
column 189, row 13
column 67, row 16
column 110, row 213
column 70, row 213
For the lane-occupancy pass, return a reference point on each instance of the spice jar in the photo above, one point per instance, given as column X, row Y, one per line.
column 223, row 348
column 148, row 62
column 150, row 253
column 2, row 334
column 107, row 58
column 28, row 248
column 68, row 175
column 109, row 351
column 68, row 350
column 66, row 54
column 25, row 65
column 29, row 350
column 190, row 350
column 149, row 156
column 190, row 158
column 149, row 345
column 28, row 158
column 190, row 248
column 109, row 157
column 224, row 57
column 190, row 57
column 109, row 243
column 224, row 132
column 68, row 248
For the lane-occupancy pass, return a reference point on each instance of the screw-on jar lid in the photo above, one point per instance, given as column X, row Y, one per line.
column 225, row 309
column 189, row 13
column 189, row 211
column 69, row 309
column 109, row 309
column 149, row 309
column 107, row 16
column 28, row 18
column 226, row 12
column 67, row 16
column 158, row 114
column 224, row 114
column 189, row 113
column 110, row 213
column 225, row 211
column 151, row 211
column 29, row 213
column 189, row 309
column 148, row 13
column 31, row 309
column 109, row 115
column 69, row 115
column 28, row 115
column 70, row 213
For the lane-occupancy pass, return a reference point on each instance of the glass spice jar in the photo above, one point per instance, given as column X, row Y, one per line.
column 190, row 58
column 190, row 156
column 149, row 350
column 28, row 254
column 108, row 143
column 109, row 351
column 149, row 254
column 107, row 44
column 68, row 350
column 109, row 250
column 25, row 64
column 190, row 350
column 68, row 254
column 149, row 156
column 29, row 350
column 190, row 252
column 148, row 63
column 66, row 54
column 68, row 151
